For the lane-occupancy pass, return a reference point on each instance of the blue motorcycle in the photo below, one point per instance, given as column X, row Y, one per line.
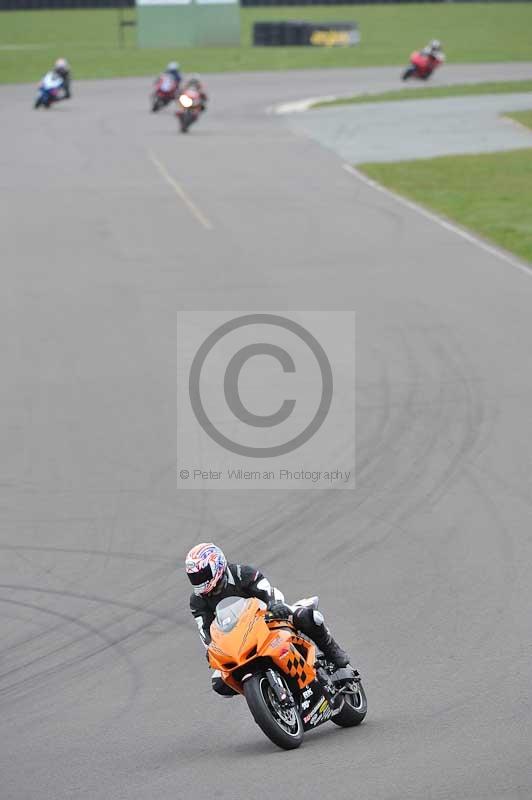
column 49, row 90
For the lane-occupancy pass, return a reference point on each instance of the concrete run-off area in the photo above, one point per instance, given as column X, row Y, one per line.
column 408, row 129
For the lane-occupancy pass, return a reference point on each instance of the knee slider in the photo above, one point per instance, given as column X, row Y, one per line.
column 318, row 617
column 220, row 687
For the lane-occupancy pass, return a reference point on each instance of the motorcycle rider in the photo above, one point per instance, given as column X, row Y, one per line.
column 172, row 69
column 433, row 50
column 52, row 86
column 62, row 68
column 194, row 82
column 213, row 579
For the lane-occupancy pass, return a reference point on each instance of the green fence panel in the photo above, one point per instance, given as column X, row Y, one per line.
column 167, row 23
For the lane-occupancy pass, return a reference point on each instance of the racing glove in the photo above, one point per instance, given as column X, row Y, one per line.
column 278, row 610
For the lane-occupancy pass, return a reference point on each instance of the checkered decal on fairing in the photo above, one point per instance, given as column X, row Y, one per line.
column 295, row 666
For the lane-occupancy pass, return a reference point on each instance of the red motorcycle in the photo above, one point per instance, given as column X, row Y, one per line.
column 189, row 107
column 422, row 65
column 164, row 92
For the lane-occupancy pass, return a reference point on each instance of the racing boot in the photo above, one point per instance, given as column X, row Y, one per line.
column 331, row 649
column 311, row 622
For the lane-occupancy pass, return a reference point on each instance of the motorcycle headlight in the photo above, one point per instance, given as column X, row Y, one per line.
column 185, row 101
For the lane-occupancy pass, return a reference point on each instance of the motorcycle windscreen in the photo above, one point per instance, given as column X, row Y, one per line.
column 229, row 611
column 51, row 81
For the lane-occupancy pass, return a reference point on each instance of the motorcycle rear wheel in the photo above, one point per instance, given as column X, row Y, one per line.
column 282, row 726
column 355, row 707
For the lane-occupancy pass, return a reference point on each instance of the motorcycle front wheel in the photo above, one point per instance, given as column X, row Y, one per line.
column 186, row 119
column 409, row 71
column 281, row 725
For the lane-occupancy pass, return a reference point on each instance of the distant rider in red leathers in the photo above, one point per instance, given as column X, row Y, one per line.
column 434, row 52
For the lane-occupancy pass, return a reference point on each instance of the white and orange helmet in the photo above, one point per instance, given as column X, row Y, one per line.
column 205, row 565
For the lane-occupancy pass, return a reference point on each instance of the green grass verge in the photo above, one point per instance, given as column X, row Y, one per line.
column 489, row 193
column 523, row 117
column 502, row 87
column 31, row 40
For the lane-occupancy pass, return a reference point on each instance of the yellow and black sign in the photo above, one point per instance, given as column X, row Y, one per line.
column 293, row 33
column 329, row 38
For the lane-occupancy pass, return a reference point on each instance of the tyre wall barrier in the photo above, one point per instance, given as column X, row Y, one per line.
column 298, row 33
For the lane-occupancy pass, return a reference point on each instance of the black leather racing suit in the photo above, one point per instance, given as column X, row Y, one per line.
column 244, row 581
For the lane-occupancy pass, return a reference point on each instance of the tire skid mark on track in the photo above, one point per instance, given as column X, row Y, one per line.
column 457, row 387
column 54, row 629
column 35, row 680
column 466, row 441
column 132, row 609
column 487, row 615
column 92, row 631
column 379, row 414
column 499, row 481
column 69, row 662
column 310, row 513
column 504, row 557
column 145, row 581
column 397, row 424
column 142, row 557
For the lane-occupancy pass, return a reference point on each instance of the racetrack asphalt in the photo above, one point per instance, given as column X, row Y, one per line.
column 423, row 571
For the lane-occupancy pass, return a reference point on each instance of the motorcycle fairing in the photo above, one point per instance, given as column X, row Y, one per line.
column 251, row 638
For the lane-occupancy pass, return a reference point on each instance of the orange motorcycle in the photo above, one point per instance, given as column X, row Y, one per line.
column 288, row 684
